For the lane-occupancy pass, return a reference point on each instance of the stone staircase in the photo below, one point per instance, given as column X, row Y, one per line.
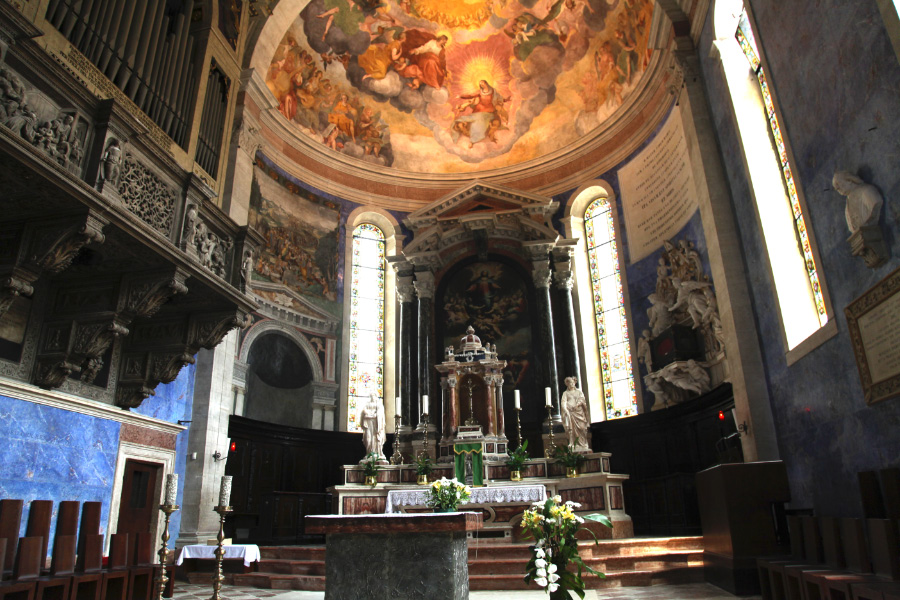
column 500, row 566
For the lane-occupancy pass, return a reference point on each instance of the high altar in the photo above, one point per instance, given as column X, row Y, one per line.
column 472, row 385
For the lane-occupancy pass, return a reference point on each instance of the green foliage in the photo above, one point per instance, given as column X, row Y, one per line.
column 567, row 456
column 553, row 525
column 370, row 468
column 423, row 464
column 447, row 494
column 517, row 457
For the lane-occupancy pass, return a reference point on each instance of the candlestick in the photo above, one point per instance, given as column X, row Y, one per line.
column 396, row 457
column 218, row 578
column 163, row 553
column 171, row 489
column 548, row 453
column 225, row 491
column 548, row 397
column 519, row 421
column 518, row 400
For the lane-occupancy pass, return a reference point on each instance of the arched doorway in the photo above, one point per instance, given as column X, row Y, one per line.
column 279, row 382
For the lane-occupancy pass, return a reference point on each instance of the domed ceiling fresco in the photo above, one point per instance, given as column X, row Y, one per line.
column 454, row 86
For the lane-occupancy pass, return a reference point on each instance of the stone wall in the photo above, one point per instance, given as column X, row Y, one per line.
column 836, row 78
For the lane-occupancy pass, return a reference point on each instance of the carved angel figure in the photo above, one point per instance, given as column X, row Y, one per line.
column 691, row 296
column 660, row 317
column 644, row 354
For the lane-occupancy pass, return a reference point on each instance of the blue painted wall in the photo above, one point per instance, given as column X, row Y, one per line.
column 837, row 79
column 53, row 454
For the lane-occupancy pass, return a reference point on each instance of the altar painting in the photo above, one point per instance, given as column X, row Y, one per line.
column 300, row 250
column 438, row 86
column 492, row 298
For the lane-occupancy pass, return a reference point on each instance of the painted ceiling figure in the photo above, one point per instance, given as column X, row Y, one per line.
column 481, row 116
column 427, row 52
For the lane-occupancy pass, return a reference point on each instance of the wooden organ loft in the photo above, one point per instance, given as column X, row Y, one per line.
column 117, row 262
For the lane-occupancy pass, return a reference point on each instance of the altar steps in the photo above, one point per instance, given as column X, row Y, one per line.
column 495, row 565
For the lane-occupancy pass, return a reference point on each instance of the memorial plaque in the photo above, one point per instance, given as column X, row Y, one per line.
column 658, row 193
column 874, row 323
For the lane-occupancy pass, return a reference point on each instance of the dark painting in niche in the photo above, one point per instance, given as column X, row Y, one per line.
column 230, row 20
column 493, row 298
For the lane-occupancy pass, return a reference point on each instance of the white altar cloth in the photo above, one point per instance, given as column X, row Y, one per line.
column 249, row 552
column 480, row 495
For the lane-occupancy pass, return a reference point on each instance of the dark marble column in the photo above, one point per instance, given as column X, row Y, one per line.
column 547, row 348
column 406, row 296
column 564, row 278
column 425, row 290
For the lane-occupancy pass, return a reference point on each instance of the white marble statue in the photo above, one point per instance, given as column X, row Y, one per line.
column 863, row 200
column 654, row 385
column 691, row 296
column 575, row 417
column 644, row 353
column 371, row 419
column 689, row 376
column 660, row 317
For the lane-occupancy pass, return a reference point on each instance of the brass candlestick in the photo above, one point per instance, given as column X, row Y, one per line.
column 519, row 425
column 396, row 457
column 548, row 453
column 218, row 578
column 163, row 578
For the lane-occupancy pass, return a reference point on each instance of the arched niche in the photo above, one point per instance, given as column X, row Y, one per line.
column 284, row 381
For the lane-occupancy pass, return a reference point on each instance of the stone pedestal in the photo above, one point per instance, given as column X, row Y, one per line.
column 422, row 556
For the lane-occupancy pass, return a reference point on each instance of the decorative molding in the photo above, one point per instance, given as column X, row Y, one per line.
column 29, row 393
column 146, row 195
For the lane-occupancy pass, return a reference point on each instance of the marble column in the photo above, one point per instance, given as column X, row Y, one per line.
column 498, row 395
column 424, row 284
column 547, row 344
column 564, row 278
column 454, row 407
column 208, row 434
column 406, row 297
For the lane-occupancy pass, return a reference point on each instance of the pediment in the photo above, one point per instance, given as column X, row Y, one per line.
column 479, row 198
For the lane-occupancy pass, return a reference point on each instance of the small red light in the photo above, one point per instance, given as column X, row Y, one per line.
column 721, row 415
column 233, row 446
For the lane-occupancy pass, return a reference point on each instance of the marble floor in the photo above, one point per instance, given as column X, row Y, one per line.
column 690, row 591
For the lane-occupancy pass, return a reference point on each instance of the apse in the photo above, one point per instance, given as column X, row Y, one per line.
column 277, row 377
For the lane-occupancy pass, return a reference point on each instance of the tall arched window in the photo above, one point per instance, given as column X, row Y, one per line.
column 366, row 352
column 799, row 288
column 609, row 310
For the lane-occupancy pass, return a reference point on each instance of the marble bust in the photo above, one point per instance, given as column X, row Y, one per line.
column 863, row 200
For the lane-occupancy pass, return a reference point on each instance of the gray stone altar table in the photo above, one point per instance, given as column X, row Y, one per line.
column 420, row 556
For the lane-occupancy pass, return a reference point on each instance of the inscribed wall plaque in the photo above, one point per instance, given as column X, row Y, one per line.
column 658, row 193
column 874, row 323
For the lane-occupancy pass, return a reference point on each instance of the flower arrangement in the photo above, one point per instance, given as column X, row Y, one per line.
column 553, row 525
column 445, row 495
column 370, row 467
column 567, row 456
column 516, row 459
column 423, row 464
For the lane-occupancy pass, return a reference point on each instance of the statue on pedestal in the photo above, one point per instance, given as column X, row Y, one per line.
column 371, row 419
column 575, row 418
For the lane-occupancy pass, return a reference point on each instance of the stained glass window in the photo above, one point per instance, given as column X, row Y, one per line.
column 744, row 35
column 609, row 310
column 366, row 319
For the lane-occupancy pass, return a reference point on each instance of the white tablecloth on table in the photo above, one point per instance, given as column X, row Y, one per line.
column 480, row 495
column 249, row 552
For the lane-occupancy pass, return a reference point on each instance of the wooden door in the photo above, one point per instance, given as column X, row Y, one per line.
column 138, row 504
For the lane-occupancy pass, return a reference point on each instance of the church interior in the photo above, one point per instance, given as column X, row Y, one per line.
column 266, row 264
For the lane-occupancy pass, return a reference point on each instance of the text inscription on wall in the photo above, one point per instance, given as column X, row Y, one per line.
column 658, row 193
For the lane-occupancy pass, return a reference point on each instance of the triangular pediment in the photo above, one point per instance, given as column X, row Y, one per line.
column 479, row 198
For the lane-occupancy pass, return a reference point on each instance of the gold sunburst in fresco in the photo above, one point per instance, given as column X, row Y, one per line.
column 446, row 86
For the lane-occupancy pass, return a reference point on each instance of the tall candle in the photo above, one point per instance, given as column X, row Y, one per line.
column 225, row 490
column 424, row 404
column 397, row 406
column 518, row 400
column 171, row 489
column 547, row 395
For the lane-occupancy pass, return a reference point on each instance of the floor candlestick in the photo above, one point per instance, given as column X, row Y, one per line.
column 218, row 578
column 396, row 457
column 163, row 578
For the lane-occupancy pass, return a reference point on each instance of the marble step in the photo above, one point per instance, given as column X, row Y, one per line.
column 674, row 575
column 276, row 581
column 293, row 552
column 654, row 562
column 287, row 566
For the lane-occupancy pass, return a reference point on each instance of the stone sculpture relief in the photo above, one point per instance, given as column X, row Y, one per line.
column 683, row 296
column 209, row 248
column 862, row 212
column 56, row 137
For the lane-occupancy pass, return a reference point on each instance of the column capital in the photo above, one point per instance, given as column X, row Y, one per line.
column 424, row 284
column 406, row 290
column 540, row 273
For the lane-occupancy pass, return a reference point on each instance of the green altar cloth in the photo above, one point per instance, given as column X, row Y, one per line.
column 475, row 450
